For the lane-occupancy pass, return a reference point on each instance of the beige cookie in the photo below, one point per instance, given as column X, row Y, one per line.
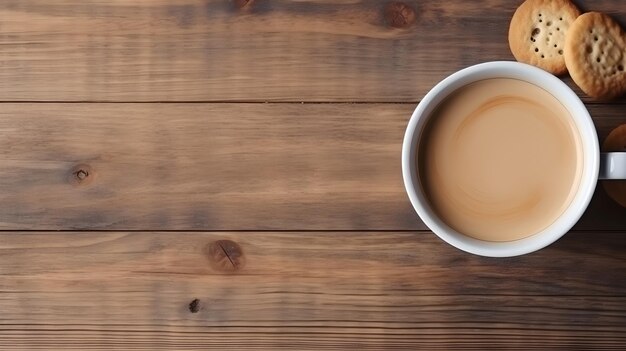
column 595, row 54
column 616, row 141
column 537, row 33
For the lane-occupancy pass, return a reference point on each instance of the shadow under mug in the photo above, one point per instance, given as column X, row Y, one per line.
column 595, row 165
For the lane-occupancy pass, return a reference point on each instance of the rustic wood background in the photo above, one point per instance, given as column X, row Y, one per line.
column 215, row 174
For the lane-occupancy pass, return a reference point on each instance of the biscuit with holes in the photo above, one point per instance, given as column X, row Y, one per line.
column 616, row 141
column 537, row 33
column 595, row 55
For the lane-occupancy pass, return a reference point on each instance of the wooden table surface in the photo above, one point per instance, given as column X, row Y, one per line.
column 225, row 175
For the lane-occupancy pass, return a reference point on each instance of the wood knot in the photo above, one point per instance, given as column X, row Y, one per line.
column 241, row 4
column 81, row 175
column 225, row 255
column 195, row 306
column 399, row 15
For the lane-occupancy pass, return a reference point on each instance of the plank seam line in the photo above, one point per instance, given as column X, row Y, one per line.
column 415, row 231
column 252, row 102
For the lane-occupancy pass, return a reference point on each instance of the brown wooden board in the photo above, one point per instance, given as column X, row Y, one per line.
column 267, row 50
column 218, row 167
column 305, row 291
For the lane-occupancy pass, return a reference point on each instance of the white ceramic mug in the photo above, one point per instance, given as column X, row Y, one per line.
column 595, row 165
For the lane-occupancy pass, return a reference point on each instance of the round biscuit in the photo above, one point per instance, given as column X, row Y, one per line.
column 537, row 33
column 595, row 55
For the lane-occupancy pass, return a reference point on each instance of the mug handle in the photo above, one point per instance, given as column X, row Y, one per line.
column 612, row 165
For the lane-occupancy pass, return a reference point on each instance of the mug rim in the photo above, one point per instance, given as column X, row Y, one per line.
column 590, row 150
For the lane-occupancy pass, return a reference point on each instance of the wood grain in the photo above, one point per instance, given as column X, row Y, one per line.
column 297, row 180
column 306, row 291
column 218, row 167
column 267, row 50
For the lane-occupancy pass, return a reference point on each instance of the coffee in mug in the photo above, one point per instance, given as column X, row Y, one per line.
column 500, row 159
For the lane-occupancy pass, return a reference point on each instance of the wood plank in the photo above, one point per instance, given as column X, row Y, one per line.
column 218, row 167
column 306, row 291
column 213, row 50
